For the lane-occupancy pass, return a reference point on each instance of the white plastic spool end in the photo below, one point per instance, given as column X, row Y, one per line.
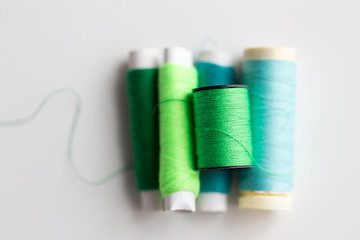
column 182, row 201
column 212, row 202
column 179, row 55
column 144, row 58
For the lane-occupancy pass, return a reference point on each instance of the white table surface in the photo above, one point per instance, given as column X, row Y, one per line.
column 45, row 45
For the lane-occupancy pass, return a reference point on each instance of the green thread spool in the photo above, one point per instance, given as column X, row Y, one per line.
column 223, row 133
column 71, row 135
column 179, row 179
column 142, row 81
column 215, row 68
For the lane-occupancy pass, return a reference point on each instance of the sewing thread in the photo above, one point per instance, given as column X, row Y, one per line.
column 71, row 136
column 270, row 74
column 211, row 74
column 222, row 120
column 177, row 154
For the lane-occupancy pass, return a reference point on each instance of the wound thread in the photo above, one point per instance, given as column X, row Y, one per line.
column 222, row 120
column 211, row 74
column 270, row 74
column 177, row 154
column 143, row 99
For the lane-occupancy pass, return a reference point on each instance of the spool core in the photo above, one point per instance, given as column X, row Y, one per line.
column 266, row 200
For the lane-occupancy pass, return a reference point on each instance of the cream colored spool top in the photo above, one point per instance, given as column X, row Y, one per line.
column 271, row 53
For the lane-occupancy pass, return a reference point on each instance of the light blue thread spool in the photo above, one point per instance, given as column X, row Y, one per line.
column 270, row 74
column 215, row 68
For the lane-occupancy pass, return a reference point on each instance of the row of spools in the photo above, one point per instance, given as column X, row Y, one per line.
column 194, row 126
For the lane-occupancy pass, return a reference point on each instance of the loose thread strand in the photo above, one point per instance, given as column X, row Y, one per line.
column 71, row 136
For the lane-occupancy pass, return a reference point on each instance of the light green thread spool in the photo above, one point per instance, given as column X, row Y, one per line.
column 179, row 181
column 223, row 133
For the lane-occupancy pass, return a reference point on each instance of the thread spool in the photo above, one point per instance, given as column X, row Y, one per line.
column 222, row 126
column 270, row 74
column 215, row 68
column 179, row 181
column 143, row 99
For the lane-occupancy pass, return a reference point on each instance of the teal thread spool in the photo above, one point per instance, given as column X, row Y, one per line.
column 270, row 74
column 215, row 68
column 179, row 179
column 142, row 90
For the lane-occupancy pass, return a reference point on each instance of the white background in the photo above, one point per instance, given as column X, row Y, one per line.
column 45, row 45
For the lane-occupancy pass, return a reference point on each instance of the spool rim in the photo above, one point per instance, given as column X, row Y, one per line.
column 226, row 168
column 219, row 87
column 266, row 200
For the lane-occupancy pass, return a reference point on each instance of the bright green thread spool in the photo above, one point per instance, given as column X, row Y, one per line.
column 223, row 133
column 177, row 160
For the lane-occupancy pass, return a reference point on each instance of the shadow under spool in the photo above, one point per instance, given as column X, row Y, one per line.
column 222, row 127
